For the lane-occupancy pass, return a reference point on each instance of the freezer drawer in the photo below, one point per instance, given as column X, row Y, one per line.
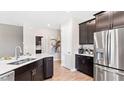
column 107, row 74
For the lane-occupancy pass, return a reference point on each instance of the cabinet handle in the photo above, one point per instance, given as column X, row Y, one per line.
column 34, row 72
column 83, row 62
column 112, row 25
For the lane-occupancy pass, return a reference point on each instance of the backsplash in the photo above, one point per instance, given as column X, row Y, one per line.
column 88, row 46
column 86, row 49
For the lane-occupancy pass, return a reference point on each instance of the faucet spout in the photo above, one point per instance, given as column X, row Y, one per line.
column 16, row 52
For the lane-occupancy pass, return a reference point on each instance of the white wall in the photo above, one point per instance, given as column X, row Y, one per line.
column 65, row 41
column 69, row 43
column 75, row 40
column 29, row 39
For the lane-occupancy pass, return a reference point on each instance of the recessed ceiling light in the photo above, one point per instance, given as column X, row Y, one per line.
column 67, row 11
column 48, row 25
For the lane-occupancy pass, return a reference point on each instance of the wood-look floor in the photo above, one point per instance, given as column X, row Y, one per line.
column 63, row 74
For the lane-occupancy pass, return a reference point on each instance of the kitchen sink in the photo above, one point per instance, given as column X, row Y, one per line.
column 21, row 61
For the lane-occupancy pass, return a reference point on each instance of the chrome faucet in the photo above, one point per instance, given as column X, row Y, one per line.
column 16, row 52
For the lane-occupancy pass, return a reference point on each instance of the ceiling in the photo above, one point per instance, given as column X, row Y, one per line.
column 51, row 19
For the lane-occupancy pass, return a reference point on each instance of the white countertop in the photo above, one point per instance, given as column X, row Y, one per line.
column 4, row 67
column 89, row 55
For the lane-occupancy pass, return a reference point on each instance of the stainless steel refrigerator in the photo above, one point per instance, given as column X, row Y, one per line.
column 109, row 55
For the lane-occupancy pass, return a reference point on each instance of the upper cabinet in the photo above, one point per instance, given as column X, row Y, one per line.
column 118, row 19
column 82, row 33
column 109, row 20
column 103, row 21
column 90, row 30
column 86, row 31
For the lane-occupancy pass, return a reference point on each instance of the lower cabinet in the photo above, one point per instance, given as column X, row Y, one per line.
column 30, row 72
column 26, row 76
column 48, row 67
column 24, row 73
column 36, row 71
column 84, row 64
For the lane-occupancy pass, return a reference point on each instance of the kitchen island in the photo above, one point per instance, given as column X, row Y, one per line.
column 34, row 70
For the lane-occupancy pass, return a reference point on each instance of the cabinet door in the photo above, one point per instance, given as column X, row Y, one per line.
column 80, row 63
column 82, row 33
column 24, row 73
column 89, row 66
column 118, row 19
column 37, row 72
column 84, row 64
column 77, row 63
column 90, row 31
column 26, row 76
column 103, row 21
column 48, row 67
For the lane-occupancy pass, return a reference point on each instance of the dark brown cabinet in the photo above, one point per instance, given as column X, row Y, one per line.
column 30, row 72
column 84, row 64
column 25, row 76
column 117, row 19
column 109, row 20
column 82, row 33
column 90, row 31
column 86, row 31
column 37, row 72
column 103, row 21
column 24, row 73
column 48, row 67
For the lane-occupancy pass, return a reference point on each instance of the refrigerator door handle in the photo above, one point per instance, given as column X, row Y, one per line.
column 120, row 74
column 104, row 69
column 112, row 71
column 109, row 48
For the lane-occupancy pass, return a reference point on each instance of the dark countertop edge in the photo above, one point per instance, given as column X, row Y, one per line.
column 98, row 13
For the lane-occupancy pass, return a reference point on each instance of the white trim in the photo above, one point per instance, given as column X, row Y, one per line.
column 57, row 59
column 73, row 70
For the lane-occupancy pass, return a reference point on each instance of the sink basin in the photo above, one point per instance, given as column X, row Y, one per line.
column 21, row 61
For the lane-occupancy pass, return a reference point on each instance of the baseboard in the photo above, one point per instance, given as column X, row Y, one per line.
column 57, row 59
column 73, row 70
column 62, row 65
